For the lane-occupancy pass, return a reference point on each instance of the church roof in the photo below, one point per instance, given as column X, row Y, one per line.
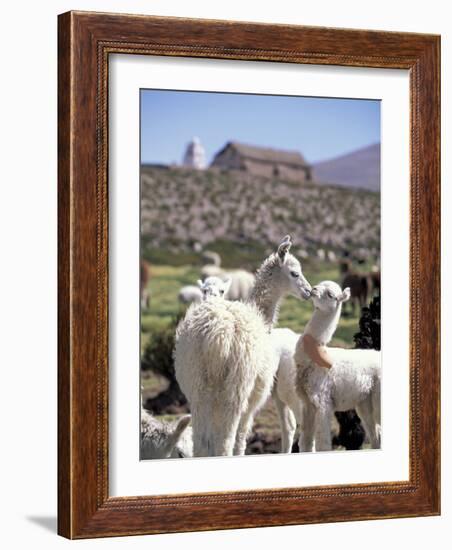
column 267, row 154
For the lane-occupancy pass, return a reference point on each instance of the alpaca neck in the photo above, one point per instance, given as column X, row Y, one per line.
column 323, row 324
column 267, row 301
column 267, row 294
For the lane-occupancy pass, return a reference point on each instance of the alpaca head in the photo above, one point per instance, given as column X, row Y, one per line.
column 289, row 274
column 328, row 296
column 214, row 287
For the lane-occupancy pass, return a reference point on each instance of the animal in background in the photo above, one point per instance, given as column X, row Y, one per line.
column 375, row 277
column 209, row 257
column 360, row 285
column 214, row 287
column 145, row 275
column 189, row 294
column 242, row 281
column 210, row 287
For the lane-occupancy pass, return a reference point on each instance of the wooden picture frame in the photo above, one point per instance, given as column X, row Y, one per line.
column 85, row 42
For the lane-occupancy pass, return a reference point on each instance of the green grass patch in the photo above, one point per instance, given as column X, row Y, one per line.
column 166, row 281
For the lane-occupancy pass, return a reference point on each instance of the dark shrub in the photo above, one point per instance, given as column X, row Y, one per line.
column 158, row 357
column 369, row 334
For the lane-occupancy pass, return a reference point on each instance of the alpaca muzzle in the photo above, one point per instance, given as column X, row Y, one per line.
column 306, row 291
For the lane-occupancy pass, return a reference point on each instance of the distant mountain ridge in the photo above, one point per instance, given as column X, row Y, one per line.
column 358, row 169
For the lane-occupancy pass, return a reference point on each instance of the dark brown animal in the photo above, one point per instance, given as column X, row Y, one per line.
column 360, row 285
column 375, row 277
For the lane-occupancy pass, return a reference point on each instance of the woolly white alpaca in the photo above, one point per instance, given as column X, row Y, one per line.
column 224, row 359
column 165, row 439
column 349, row 379
column 214, row 287
column 189, row 294
column 241, row 284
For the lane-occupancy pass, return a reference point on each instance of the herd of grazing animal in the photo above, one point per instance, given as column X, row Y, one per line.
column 229, row 359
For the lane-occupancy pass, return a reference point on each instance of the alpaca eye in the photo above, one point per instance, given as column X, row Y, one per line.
column 222, row 292
column 330, row 294
column 294, row 274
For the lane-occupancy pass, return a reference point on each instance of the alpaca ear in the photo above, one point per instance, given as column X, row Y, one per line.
column 345, row 295
column 227, row 285
column 284, row 248
column 200, row 283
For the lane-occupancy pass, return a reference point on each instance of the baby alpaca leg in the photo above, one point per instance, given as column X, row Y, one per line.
column 376, row 409
column 366, row 412
column 323, row 427
column 287, row 422
column 307, row 428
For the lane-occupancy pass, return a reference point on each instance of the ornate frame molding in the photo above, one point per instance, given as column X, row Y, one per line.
column 85, row 42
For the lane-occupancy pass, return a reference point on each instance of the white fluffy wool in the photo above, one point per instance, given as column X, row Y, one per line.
column 354, row 375
column 224, row 360
column 220, row 337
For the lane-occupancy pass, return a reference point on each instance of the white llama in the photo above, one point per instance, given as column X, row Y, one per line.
column 160, row 439
column 242, row 281
column 347, row 378
column 189, row 294
column 212, row 286
column 224, row 359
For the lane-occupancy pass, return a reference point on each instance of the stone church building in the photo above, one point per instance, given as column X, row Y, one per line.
column 262, row 161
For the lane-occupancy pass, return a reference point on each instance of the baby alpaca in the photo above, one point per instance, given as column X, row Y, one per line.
column 352, row 382
column 214, row 287
column 165, row 439
column 289, row 406
column 241, row 281
column 211, row 287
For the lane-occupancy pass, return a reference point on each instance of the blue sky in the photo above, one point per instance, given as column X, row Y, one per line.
column 320, row 128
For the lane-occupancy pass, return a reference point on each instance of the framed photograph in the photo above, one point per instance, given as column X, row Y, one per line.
column 248, row 275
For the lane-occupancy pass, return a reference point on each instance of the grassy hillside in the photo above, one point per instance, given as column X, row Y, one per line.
column 242, row 215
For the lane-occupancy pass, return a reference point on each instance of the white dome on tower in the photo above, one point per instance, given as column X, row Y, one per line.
column 195, row 155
